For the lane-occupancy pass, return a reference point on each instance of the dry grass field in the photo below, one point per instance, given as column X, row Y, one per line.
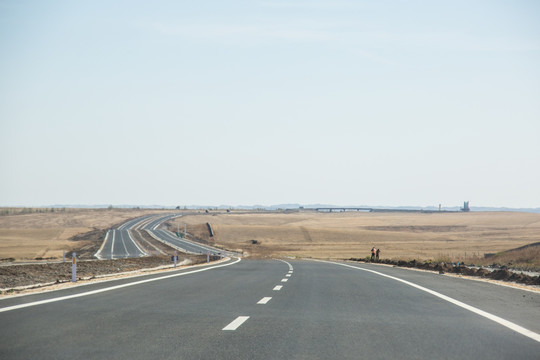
column 45, row 235
column 419, row 236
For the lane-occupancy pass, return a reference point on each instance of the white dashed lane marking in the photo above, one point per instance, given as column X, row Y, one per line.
column 236, row 323
column 264, row 300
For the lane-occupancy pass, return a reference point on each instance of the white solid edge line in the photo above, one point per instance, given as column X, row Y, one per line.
column 112, row 244
column 235, row 324
column 264, row 300
column 98, row 253
column 517, row 328
column 116, row 287
column 136, row 245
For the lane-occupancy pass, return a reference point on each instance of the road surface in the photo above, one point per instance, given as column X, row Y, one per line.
column 122, row 243
column 155, row 229
column 119, row 243
column 276, row 309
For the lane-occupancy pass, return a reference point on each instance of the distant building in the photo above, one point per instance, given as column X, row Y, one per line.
column 465, row 206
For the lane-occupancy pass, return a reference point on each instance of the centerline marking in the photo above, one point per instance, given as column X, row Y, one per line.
column 277, row 287
column 235, row 324
column 290, row 266
column 264, row 300
column 284, row 280
column 288, row 275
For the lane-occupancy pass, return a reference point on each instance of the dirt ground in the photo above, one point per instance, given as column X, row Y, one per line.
column 16, row 276
column 500, row 274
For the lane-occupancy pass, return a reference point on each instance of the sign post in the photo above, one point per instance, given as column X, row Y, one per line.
column 74, row 268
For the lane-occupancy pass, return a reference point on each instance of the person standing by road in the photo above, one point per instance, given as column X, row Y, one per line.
column 373, row 253
column 377, row 254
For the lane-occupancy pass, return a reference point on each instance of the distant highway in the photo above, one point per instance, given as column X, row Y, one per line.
column 182, row 244
column 121, row 243
column 276, row 309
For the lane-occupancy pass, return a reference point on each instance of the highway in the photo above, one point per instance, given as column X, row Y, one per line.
column 182, row 244
column 121, row 243
column 276, row 309
column 187, row 246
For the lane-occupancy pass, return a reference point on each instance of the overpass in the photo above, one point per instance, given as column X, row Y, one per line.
column 342, row 209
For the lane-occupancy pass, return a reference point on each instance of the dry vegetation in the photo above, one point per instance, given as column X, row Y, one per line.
column 419, row 236
column 438, row 236
column 524, row 258
column 26, row 234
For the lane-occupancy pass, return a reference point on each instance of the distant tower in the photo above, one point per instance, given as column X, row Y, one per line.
column 439, row 207
column 465, row 206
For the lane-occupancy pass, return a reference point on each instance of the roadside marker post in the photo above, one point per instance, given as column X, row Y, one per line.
column 74, row 268
column 175, row 258
column 64, row 256
column 207, row 257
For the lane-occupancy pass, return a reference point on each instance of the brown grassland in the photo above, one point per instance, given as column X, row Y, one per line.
column 422, row 236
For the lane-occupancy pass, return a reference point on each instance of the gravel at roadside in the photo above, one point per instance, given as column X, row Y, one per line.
column 14, row 277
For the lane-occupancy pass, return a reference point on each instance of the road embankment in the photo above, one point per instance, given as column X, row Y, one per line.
column 502, row 274
column 15, row 277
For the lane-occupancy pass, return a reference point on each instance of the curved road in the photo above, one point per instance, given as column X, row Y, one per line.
column 119, row 243
column 276, row 309
column 181, row 244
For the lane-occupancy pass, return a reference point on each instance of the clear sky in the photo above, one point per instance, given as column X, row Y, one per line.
column 265, row 102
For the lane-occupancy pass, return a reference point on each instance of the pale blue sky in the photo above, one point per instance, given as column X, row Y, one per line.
column 266, row 102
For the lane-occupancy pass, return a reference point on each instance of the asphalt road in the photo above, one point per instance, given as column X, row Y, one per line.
column 274, row 309
column 119, row 243
column 157, row 221
column 186, row 245
column 171, row 239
